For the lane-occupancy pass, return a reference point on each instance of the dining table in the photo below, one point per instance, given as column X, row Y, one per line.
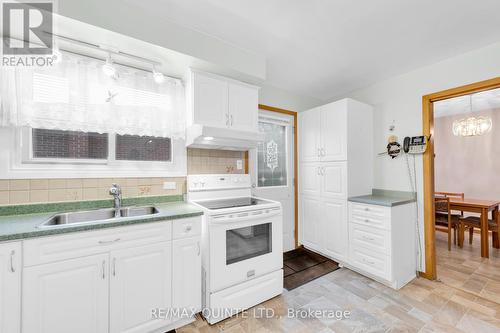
column 483, row 207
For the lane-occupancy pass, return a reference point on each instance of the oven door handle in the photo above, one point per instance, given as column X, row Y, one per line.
column 249, row 216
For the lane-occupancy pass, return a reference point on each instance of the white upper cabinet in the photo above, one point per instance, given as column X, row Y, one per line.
column 217, row 101
column 309, row 127
column 333, row 132
column 243, row 107
column 210, row 104
column 10, row 287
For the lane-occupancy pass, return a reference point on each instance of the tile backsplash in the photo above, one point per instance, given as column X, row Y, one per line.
column 201, row 161
column 20, row 191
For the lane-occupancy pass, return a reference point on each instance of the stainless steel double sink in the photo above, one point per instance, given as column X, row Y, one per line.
column 98, row 215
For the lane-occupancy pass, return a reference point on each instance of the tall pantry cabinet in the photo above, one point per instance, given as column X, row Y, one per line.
column 335, row 162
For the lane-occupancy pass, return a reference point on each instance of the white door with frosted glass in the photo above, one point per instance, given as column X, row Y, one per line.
column 271, row 168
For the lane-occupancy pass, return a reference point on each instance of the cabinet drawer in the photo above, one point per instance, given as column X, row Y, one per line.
column 78, row 244
column 372, row 239
column 371, row 262
column 370, row 215
column 189, row 227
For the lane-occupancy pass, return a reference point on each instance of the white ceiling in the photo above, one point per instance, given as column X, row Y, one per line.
column 486, row 100
column 326, row 48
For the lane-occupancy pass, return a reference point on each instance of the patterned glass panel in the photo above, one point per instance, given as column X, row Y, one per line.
column 272, row 155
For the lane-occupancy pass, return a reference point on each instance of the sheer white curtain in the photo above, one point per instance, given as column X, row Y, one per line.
column 76, row 95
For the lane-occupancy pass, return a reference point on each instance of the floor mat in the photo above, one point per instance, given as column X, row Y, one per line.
column 301, row 266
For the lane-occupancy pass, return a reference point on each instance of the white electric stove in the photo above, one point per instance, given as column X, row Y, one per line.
column 242, row 245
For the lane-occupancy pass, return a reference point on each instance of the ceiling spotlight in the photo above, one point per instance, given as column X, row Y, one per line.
column 56, row 55
column 157, row 76
column 108, row 68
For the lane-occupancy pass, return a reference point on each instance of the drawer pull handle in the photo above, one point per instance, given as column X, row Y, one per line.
column 114, row 266
column 109, row 241
column 187, row 228
column 367, row 209
column 12, row 254
column 103, row 269
column 199, row 249
column 367, row 220
column 368, row 238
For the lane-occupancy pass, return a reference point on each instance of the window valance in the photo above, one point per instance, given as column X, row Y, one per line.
column 76, row 95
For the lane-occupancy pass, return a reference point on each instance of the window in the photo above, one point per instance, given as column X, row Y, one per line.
column 142, row 148
column 65, row 146
column 69, row 144
column 272, row 155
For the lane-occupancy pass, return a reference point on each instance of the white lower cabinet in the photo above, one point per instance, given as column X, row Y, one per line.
column 186, row 284
column 140, row 282
column 117, row 290
column 334, row 217
column 66, row 296
column 310, row 216
column 324, row 226
column 382, row 242
column 10, row 287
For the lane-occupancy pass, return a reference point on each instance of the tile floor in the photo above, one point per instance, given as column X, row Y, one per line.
column 466, row 270
column 463, row 301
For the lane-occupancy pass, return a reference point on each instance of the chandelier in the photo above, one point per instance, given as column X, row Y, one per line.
column 472, row 126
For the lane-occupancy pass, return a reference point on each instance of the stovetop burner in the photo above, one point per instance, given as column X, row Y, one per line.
column 231, row 203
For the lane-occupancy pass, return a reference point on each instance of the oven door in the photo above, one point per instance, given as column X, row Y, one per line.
column 244, row 245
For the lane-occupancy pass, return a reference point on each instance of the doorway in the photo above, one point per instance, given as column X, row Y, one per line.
column 428, row 104
column 272, row 166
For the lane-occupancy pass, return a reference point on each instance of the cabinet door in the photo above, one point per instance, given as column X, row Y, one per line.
column 335, row 228
column 10, row 287
column 210, row 101
column 186, row 280
column 66, row 296
column 243, row 107
column 310, row 222
column 333, row 142
column 140, row 282
column 334, row 180
column 309, row 137
column 310, row 179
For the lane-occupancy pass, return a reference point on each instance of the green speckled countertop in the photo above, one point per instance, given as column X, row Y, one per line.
column 385, row 198
column 25, row 223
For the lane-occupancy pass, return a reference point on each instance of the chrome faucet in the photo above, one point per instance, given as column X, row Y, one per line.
column 116, row 192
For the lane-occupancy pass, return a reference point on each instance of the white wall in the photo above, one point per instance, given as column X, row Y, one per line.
column 399, row 99
column 279, row 98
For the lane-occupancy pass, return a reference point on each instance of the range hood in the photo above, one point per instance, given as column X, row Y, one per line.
column 207, row 137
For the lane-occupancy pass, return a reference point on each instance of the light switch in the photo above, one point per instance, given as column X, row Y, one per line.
column 169, row 185
column 239, row 164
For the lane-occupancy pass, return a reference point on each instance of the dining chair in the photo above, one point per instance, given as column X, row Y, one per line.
column 444, row 216
column 475, row 222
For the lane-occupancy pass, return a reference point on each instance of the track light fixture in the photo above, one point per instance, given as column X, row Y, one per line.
column 157, row 76
column 108, row 68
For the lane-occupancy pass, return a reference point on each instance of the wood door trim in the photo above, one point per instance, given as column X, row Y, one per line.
column 428, row 163
column 295, row 164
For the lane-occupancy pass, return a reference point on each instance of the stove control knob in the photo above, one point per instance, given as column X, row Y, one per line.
column 202, row 184
column 195, row 184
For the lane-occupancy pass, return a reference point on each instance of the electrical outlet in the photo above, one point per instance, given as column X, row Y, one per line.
column 239, row 164
column 169, row 185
